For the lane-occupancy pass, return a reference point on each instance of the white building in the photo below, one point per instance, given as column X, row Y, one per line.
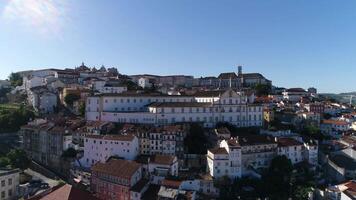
column 233, row 148
column 334, row 128
column 9, row 181
column 112, row 89
column 144, row 82
column 163, row 165
column 290, row 148
column 294, row 94
column 99, row 148
column 208, row 108
column 311, row 152
column 42, row 100
column 218, row 162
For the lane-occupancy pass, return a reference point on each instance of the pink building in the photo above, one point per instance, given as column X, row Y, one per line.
column 115, row 178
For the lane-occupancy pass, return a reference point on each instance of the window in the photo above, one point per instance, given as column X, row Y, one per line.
column 3, row 183
column 9, row 181
column 3, row 194
column 10, row 192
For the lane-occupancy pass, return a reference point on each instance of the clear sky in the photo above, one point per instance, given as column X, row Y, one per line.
column 295, row 43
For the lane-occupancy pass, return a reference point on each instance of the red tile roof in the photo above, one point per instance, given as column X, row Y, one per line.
column 117, row 167
column 113, row 137
column 163, row 159
column 171, row 183
column 336, row 122
column 218, row 151
column 285, row 142
column 66, row 192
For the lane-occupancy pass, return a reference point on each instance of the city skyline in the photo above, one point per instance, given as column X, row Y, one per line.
column 294, row 44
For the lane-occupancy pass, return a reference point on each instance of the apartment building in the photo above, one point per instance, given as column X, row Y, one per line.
column 291, row 148
column 208, row 107
column 161, row 140
column 9, row 181
column 257, row 151
column 218, row 162
column 99, row 148
column 334, row 128
column 115, row 179
column 45, row 142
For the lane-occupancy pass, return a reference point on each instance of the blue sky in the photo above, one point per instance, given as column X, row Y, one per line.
column 295, row 43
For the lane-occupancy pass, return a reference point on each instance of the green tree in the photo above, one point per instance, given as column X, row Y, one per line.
column 18, row 159
column 4, row 162
column 262, row 89
column 69, row 153
column 196, row 142
column 69, row 99
column 15, row 79
column 301, row 192
column 278, row 178
column 312, row 132
column 82, row 109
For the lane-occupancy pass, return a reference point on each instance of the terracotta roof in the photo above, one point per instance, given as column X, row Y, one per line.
column 171, row 183
column 233, row 142
column 112, row 137
column 66, row 192
column 285, row 142
column 218, row 150
column 336, row 122
column 162, row 159
column 351, row 189
column 117, row 167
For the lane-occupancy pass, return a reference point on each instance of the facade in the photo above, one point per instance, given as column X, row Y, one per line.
column 163, row 166
column 115, row 178
column 208, row 108
column 257, row 151
column 110, row 88
column 218, row 162
column 294, row 94
column 311, row 152
column 42, row 100
column 9, row 182
column 268, row 115
column 233, row 80
column 99, row 148
column 45, row 142
column 161, row 140
column 315, row 107
column 291, row 148
column 225, row 160
column 334, row 128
